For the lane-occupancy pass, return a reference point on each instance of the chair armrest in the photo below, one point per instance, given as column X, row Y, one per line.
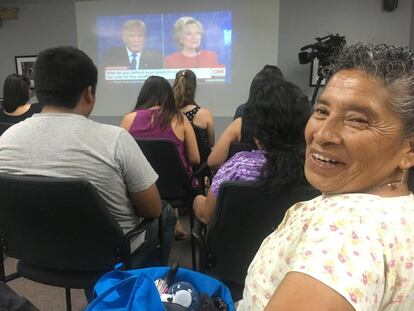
column 142, row 226
column 198, row 232
column 200, row 169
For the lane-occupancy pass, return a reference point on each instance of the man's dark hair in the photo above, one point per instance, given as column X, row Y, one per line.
column 16, row 92
column 61, row 74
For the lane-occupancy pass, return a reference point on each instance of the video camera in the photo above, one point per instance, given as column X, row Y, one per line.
column 323, row 49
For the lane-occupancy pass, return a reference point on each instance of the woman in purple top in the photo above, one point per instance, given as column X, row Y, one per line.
column 155, row 116
column 279, row 115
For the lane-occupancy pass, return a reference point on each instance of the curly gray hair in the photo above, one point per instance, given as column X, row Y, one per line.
column 392, row 66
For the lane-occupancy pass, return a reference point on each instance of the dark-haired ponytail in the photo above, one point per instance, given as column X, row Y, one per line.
column 283, row 168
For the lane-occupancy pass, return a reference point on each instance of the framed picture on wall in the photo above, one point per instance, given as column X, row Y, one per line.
column 25, row 66
column 314, row 73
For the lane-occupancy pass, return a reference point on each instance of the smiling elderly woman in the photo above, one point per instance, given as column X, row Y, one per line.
column 352, row 248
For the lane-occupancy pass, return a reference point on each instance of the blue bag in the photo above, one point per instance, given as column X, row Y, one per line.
column 135, row 289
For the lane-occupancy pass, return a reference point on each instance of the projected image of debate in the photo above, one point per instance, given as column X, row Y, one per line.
column 133, row 47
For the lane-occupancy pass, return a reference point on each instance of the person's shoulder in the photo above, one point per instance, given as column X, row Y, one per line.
column 36, row 107
column 204, row 112
column 116, row 55
column 19, row 129
column 239, row 111
column 253, row 154
column 246, row 159
column 207, row 53
column 351, row 208
column 173, row 55
column 102, row 129
column 4, row 118
column 115, row 50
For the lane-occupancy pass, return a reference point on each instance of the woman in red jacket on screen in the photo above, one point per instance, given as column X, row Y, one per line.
column 187, row 33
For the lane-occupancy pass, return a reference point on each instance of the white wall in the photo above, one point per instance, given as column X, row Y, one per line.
column 41, row 24
column 44, row 23
column 301, row 21
column 248, row 20
column 412, row 28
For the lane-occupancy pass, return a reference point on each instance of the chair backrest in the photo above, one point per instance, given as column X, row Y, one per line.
column 173, row 181
column 58, row 223
column 237, row 147
column 4, row 126
column 204, row 149
column 245, row 215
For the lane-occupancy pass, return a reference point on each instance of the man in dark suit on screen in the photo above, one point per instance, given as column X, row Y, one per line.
column 132, row 54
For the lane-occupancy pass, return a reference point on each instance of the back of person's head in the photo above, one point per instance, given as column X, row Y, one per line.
column 184, row 88
column 268, row 74
column 280, row 112
column 156, row 91
column 61, row 75
column 16, row 92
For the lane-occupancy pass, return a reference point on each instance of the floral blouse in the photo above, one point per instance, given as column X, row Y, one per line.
column 360, row 245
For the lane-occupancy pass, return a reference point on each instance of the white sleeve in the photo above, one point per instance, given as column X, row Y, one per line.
column 344, row 253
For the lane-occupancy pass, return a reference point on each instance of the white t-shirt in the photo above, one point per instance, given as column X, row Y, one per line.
column 70, row 145
column 360, row 245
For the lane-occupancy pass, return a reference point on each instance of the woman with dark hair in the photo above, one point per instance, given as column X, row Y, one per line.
column 16, row 95
column 155, row 116
column 240, row 129
column 278, row 117
column 184, row 89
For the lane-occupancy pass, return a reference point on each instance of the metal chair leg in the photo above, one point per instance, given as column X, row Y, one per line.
column 2, row 273
column 161, row 236
column 193, row 250
column 68, row 299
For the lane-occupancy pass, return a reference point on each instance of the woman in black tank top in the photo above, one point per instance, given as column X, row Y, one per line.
column 200, row 118
column 16, row 95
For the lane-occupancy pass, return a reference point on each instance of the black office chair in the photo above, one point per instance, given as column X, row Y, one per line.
column 60, row 231
column 4, row 126
column 245, row 214
column 202, row 170
column 174, row 183
column 237, row 147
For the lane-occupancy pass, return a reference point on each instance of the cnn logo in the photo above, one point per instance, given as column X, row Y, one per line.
column 218, row 72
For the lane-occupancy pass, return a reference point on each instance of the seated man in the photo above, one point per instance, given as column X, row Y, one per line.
column 62, row 142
